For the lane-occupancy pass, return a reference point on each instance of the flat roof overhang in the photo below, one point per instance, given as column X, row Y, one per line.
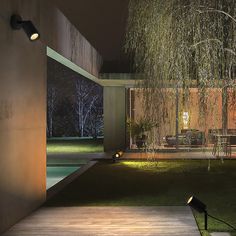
column 114, row 81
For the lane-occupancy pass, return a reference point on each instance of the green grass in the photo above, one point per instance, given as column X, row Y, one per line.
column 74, row 145
column 166, row 183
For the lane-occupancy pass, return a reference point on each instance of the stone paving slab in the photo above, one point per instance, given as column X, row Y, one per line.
column 220, row 234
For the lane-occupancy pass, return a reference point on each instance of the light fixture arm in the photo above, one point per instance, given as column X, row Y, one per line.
column 16, row 22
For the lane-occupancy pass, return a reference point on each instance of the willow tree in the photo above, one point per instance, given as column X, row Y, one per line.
column 181, row 44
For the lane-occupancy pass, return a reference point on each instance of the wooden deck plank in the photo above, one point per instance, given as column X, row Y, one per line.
column 125, row 221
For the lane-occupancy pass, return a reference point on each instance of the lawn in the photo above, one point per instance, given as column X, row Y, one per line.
column 74, row 145
column 164, row 183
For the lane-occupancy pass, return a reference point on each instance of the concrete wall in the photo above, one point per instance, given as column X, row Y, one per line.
column 23, row 101
column 60, row 35
column 22, row 121
column 114, row 118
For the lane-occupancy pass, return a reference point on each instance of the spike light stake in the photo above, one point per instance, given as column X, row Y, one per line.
column 199, row 206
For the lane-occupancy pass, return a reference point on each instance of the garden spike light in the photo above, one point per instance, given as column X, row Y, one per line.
column 199, row 206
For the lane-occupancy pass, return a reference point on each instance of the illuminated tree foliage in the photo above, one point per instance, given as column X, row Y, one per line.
column 181, row 44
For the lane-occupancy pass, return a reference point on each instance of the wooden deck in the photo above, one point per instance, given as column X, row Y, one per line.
column 104, row 221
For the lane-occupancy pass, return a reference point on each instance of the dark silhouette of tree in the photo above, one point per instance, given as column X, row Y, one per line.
column 87, row 105
column 74, row 105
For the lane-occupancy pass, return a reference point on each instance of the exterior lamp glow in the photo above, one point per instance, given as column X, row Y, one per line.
column 117, row 155
column 17, row 23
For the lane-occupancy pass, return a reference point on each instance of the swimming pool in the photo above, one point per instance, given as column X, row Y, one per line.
column 57, row 173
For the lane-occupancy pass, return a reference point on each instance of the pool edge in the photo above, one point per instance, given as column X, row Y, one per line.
column 68, row 179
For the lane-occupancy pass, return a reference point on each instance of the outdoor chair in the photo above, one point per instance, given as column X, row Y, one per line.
column 222, row 145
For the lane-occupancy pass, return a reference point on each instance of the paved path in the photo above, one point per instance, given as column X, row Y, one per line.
column 104, row 221
column 219, row 234
column 80, row 158
column 169, row 156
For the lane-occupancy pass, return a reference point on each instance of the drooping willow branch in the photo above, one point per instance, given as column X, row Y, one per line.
column 218, row 11
column 190, row 43
column 217, row 41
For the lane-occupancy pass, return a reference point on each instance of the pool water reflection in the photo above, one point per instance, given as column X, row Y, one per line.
column 57, row 173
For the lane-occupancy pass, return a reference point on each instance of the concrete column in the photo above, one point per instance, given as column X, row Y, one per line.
column 114, row 118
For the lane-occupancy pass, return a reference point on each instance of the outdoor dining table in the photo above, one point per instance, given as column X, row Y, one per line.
column 223, row 143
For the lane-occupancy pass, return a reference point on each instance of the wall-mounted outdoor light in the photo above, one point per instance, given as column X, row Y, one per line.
column 199, row 206
column 17, row 23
